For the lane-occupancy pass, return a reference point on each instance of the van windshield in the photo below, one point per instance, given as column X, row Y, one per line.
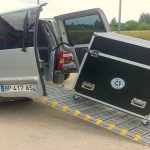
column 12, row 28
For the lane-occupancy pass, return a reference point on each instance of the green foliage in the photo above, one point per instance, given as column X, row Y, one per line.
column 131, row 25
column 144, row 18
column 113, row 24
column 142, row 24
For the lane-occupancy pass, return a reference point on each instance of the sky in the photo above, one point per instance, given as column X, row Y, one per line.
column 131, row 9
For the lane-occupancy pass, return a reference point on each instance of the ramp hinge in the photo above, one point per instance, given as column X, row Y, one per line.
column 94, row 53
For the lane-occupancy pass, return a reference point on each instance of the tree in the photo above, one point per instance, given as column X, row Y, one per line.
column 114, row 24
column 143, row 26
column 131, row 25
column 97, row 24
column 144, row 17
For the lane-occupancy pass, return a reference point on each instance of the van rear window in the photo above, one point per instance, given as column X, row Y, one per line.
column 81, row 29
column 12, row 29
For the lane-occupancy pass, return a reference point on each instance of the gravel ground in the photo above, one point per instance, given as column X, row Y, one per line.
column 29, row 125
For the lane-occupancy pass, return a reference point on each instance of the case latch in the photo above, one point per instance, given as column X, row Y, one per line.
column 94, row 53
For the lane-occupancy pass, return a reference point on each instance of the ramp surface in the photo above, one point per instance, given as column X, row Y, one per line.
column 122, row 123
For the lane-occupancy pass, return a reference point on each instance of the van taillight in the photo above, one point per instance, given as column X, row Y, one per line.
column 68, row 57
column 64, row 57
column 60, row 61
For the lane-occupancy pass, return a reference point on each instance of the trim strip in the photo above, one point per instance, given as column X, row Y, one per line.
column 123, row 60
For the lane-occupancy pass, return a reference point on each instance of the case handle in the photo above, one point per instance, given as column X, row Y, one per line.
column 88, row 86
column 138, row 103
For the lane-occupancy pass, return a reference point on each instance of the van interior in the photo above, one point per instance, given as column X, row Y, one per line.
column 46, row 43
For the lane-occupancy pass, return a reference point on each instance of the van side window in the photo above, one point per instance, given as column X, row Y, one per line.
column 12, row 27
column 81, row 29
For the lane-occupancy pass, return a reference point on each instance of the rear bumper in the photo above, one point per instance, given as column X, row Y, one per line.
column 70, row 68
column 4, row 99
column 20, row 94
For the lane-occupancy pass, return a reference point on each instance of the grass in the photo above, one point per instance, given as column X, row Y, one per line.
column 84, row 36
column 144, row 34
column 81, row 36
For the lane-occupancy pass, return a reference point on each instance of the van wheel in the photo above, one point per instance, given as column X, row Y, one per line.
column 66, row 76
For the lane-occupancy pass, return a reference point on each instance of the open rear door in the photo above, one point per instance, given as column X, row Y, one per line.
column 19, row 75
column 77, row 28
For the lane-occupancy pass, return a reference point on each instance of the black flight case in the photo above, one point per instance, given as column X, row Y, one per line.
column 116, row 72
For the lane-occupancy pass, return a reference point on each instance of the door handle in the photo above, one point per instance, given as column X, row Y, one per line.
column 138, row 103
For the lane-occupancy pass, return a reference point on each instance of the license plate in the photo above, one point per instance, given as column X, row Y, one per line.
column 18, row 88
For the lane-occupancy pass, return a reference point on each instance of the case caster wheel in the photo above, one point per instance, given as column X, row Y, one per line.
column 145, row 122
column 76, row 97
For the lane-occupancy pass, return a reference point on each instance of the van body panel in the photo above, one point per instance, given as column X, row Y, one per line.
column 18, row 55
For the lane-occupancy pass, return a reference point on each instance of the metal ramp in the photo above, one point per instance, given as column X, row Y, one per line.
column 122, row 123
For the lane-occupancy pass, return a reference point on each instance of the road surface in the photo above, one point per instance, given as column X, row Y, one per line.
column 29, row 125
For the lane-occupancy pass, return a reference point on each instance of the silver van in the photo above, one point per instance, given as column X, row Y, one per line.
column 26, row 56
